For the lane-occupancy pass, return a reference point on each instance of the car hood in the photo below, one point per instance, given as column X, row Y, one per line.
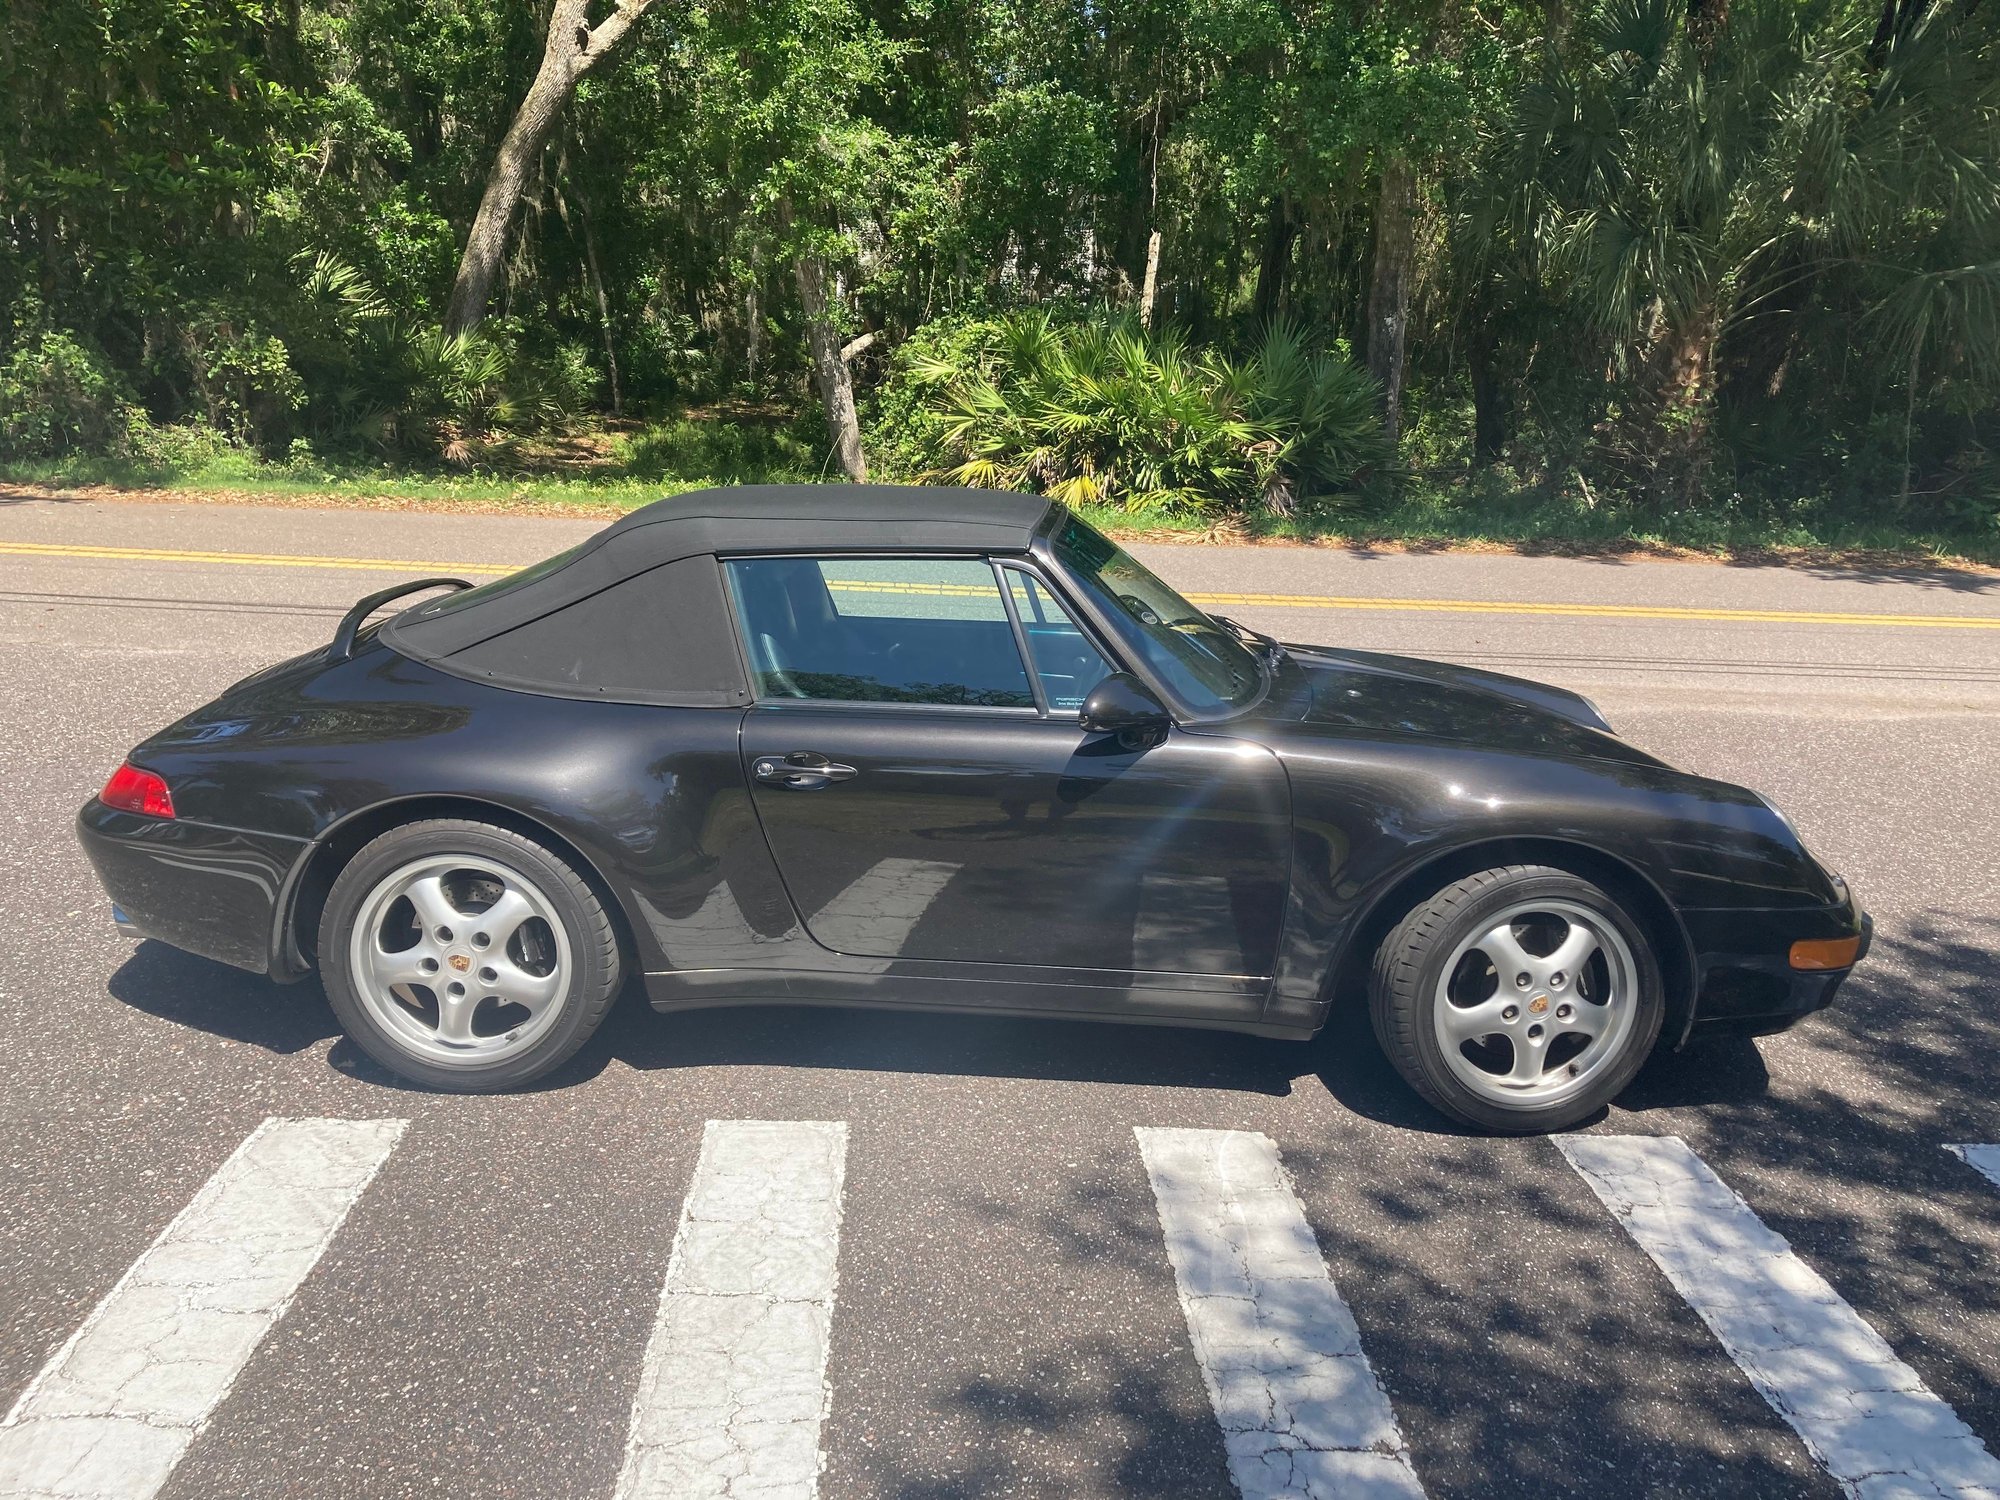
column 1377, row 693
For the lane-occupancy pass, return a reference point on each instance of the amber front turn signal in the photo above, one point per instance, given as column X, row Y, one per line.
column 1826, row 953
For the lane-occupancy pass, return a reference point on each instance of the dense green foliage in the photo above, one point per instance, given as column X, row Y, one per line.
column 1098, row 413
column 1724, row 257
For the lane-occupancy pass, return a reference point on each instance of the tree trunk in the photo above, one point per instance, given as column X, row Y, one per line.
column 1690, row 352
column 1489, row 400
column 1280, row 230
column 572, row 49
column 1149, row 289
column 1687, row 367
column 753, row 320
column 603, row 306
column 836, row 386
column 1706, row 21
column 1389, row 287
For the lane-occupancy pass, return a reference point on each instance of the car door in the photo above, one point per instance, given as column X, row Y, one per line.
column 927, row 791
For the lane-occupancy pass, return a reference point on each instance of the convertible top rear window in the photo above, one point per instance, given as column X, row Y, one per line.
column 451, row 604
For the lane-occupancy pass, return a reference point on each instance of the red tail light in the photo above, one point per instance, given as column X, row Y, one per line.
column 133, row 790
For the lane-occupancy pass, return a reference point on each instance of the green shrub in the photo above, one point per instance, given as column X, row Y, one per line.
column 402, row 385
column 722, row 450
column 561, row 386
column 182, row 446
column 664, row 352
column 445, row 390
column 1096, row 411
column 905, row 425
column 56, row 397
column 245, row 380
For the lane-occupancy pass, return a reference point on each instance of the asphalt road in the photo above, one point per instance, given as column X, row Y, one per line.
column 1007, row 1320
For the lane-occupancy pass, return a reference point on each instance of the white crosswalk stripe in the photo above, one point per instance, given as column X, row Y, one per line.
column 1982, row 1159
column 1864, row 1414
column 733, row 1389
column 1301, row 1411
column 112, row 1413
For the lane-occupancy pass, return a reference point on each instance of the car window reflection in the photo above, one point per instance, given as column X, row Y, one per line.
column 879, row 630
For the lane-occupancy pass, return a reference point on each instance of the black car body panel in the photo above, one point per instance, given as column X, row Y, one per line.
column 1229, row 873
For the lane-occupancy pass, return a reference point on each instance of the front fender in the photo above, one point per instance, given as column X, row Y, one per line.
column 1374, row 818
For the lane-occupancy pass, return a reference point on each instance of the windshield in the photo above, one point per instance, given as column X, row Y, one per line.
column 1201, row 660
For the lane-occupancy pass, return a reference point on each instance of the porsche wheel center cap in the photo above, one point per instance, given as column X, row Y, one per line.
column 460, row 962
column 1537, row 1005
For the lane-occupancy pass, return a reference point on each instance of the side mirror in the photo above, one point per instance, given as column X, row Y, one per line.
column 1123, row 705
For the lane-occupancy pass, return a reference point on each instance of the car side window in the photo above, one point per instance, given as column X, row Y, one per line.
column 879, row 630
column 1068, row 665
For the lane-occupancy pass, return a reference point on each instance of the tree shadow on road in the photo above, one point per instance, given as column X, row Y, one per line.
column 1527, row 1349
column 1844, row 1154
column 1014, row 1433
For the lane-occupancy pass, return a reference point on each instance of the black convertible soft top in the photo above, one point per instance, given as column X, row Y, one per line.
column 637, row 615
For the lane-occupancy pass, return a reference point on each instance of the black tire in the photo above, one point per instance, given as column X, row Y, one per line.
column 580, row 1006
column 1410, row 967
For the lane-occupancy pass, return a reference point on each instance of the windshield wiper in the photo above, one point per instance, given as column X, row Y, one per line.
column 1241, row 631
column 1264, row 653
column 1266, row 643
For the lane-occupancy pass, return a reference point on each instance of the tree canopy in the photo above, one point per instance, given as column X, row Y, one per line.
column 1677, row 251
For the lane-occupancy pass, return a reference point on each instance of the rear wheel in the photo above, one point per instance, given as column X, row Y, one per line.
column 465, row 956
column 1520, row 999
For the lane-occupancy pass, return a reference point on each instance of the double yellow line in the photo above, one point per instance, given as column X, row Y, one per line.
column 1223, row 601
column 1614, row 611
column 252, row 559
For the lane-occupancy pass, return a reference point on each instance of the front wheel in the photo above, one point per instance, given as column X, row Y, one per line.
column 465, row 956
column 1518, row 1000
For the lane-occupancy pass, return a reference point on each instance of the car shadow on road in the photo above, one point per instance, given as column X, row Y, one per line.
column 1708, row 1070
column 896, row 1041
column 1930, row 1037
column 225, row 1002
column 1344, row 1058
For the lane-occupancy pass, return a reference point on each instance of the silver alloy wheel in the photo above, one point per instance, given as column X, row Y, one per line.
column 460, row 959
column 1531, row 1007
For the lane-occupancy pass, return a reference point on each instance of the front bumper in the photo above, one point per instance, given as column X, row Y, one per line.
column 211, row 890
column 1746, row 985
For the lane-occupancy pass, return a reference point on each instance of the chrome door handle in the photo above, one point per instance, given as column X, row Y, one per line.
column 802, row 771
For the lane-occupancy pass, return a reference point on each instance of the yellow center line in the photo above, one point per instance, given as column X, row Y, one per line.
column 1620, row 611
column 1239, row 601
column 253, row 559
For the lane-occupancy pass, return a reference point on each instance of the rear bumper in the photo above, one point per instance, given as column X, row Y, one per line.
column 211, row 890
column 1746, row 983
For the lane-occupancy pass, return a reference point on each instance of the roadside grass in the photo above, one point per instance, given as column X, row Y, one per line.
column 248, row 480
column 605, row 473
column 602, row 472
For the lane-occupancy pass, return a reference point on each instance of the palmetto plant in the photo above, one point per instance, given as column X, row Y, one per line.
column 1697, row 192
column 408, row 385
column 1644, row 178
column 1917, row 196
column 1104, row 412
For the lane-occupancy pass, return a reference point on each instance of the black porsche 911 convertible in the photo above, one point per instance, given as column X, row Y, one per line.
column 947, row 750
